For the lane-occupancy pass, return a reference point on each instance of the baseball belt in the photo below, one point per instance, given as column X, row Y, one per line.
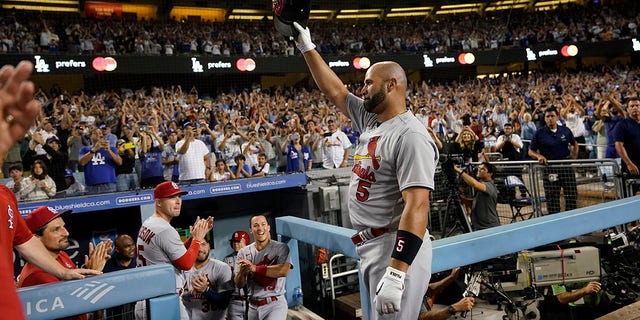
column 367, row 234
column 262, row 302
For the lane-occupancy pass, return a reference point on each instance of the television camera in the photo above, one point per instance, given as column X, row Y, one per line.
column 519, row 289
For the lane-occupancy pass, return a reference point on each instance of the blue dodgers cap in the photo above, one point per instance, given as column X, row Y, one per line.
column 52, row 139
column 188, row 123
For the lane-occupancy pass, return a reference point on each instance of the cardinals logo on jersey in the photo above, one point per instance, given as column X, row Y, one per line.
column 366, row 172
column 371, row 153
column 267, row 283
column 10, row 214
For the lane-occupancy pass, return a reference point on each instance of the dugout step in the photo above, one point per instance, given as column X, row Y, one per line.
column 630, row 312
column 302, row 313
column 348, row 307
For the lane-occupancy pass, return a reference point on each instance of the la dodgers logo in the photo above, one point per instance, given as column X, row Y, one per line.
column 196, row 65
column 41, row 65
column 98, row 159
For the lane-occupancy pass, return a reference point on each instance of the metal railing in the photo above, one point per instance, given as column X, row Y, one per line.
column 68, row 298
column 476, row 246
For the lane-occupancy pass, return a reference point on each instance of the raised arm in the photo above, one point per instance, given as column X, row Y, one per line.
column 325, row 78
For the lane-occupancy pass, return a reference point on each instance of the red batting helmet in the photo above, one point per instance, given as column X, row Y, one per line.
column 240, row 235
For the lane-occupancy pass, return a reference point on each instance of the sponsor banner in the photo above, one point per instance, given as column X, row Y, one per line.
column 130, row 199
column 209, row 64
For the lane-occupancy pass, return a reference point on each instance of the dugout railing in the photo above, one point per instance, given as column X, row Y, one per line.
column 157, row 283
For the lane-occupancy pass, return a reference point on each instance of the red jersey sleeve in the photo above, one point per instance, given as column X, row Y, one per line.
column 23, row 234
column 188, row 258
column 15, row 221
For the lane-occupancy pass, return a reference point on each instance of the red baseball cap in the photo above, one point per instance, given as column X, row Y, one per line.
column 239, row 235
column 41, row 216
column 167, row 189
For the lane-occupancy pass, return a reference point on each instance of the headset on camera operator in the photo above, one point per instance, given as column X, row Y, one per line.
column 485, row 200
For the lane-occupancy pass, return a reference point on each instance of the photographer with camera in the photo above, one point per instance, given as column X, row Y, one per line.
column 126, row 177
column 485, row 200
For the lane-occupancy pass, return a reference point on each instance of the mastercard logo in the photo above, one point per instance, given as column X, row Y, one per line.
column 247, row 65
column 466, row 58
column 104, row 64
column 569, row 51
column 361, row 63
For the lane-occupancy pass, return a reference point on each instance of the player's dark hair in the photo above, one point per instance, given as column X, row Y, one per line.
column 40, row 231
column 257, row 215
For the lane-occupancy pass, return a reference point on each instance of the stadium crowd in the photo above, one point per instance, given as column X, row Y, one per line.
column 140, row 136
column 27, row 32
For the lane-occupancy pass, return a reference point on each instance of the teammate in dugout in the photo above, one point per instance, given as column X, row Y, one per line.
column 393, row 175
column 237, row 305
column 159, row 243
column 209, row 284
column 262, row 267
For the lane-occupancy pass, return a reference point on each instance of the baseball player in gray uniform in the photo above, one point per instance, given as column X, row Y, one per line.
column 237, row 306
column 209, row 285
column 159, row 243
column 392, row 177
column 263, row 266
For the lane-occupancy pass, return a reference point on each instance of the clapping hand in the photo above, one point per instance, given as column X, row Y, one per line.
column 199, row 283
column 201, row 227
column 98, row 255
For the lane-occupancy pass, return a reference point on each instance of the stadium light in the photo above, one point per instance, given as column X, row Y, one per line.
column 358, row 16
column 411, row 9
column 455, row 11
column 506, row 7
column 63, row 2
column 409, row 12
column 461, row 6
column 39, row 8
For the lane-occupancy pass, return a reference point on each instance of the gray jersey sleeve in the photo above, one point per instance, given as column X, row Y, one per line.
column 416, row 161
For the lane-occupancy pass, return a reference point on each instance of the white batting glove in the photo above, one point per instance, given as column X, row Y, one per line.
column 389, row 291
column 303, row 41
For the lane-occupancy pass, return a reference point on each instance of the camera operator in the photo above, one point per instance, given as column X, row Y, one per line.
column 485, row 200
